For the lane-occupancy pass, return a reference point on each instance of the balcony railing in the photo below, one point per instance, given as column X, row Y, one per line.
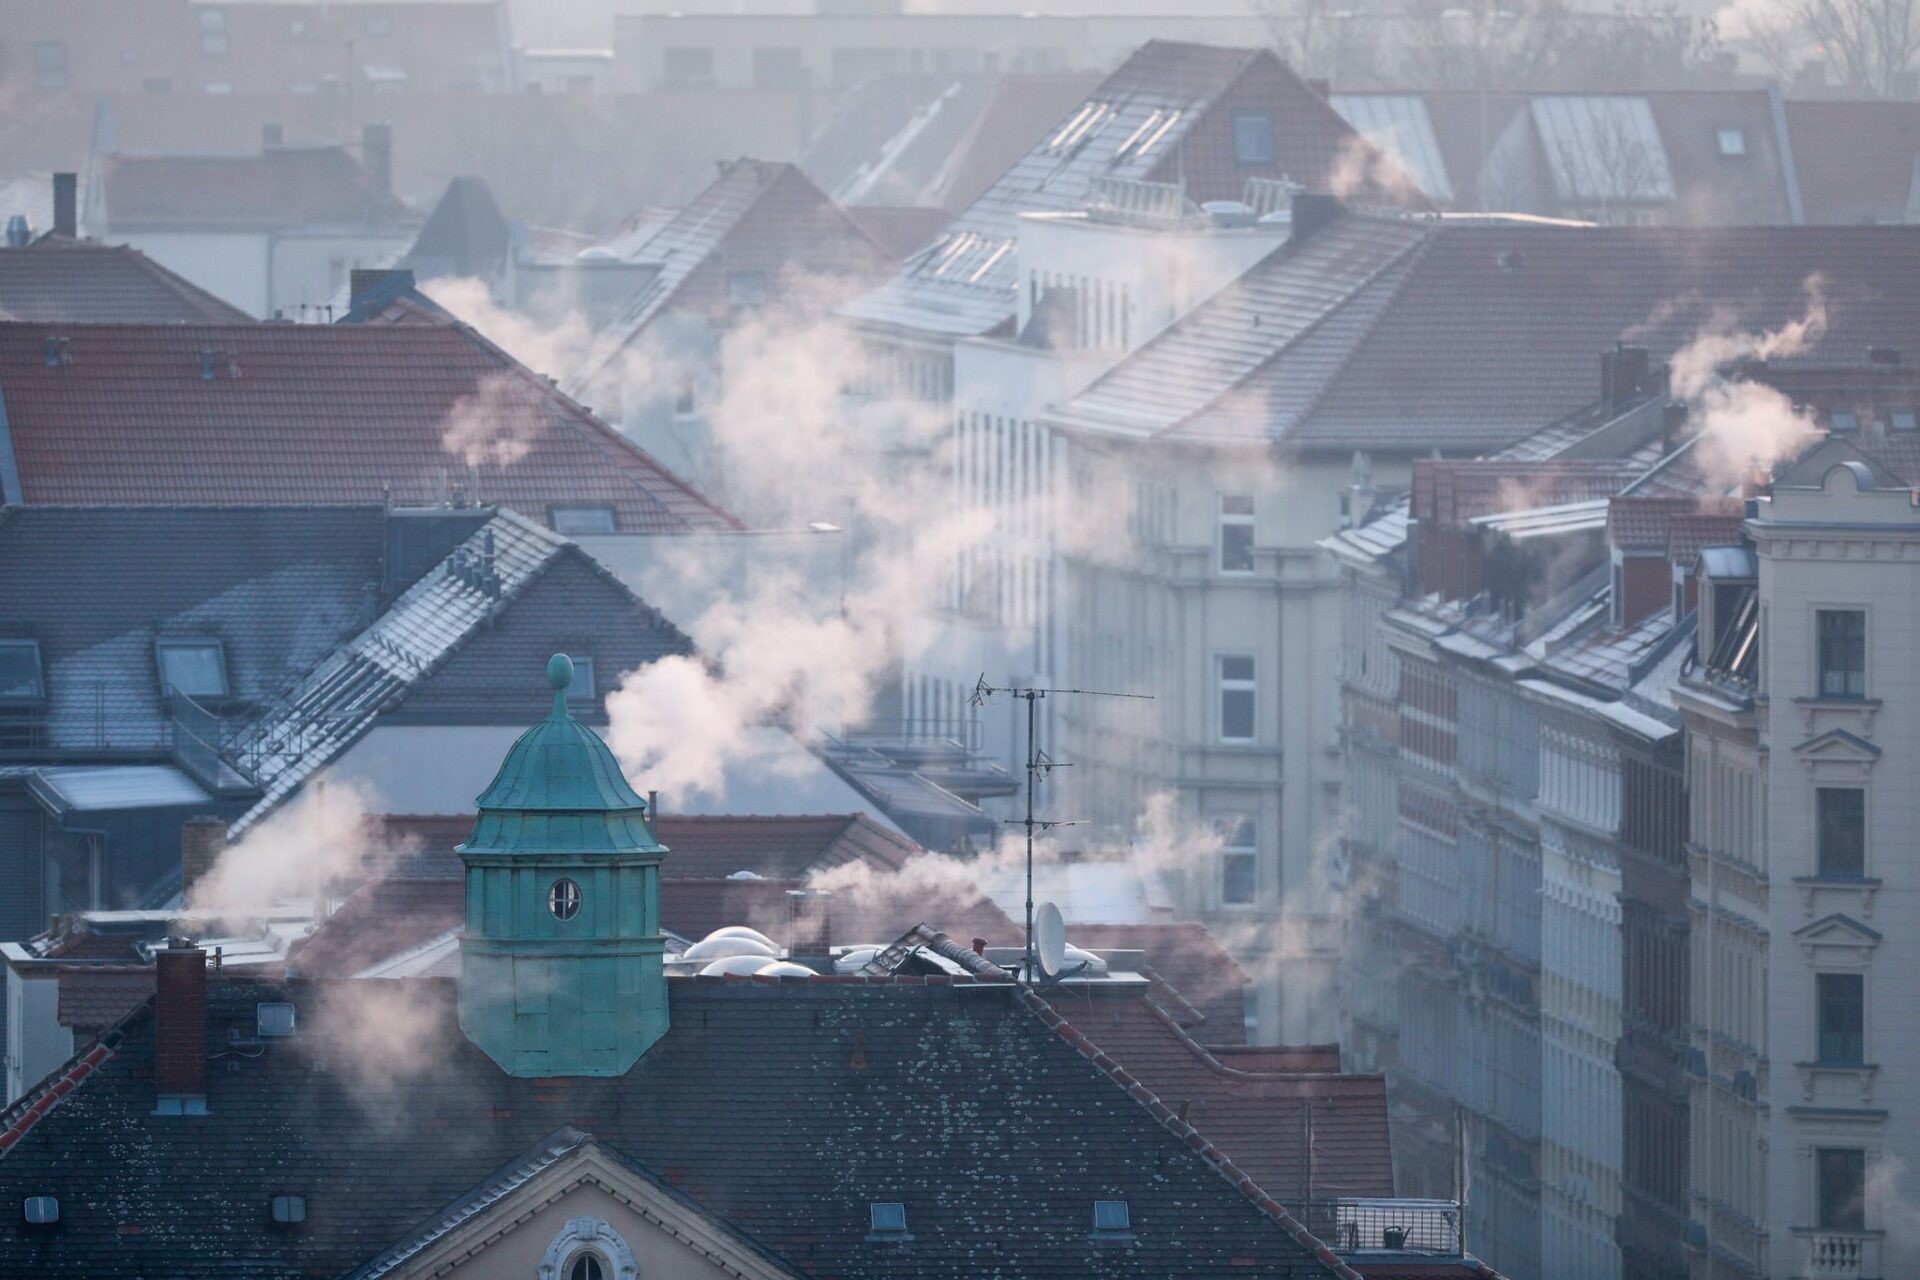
column 1359, row 1226
column 1838, row 1255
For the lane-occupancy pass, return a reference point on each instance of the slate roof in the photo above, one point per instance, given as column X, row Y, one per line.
column 280, row 587
column 280, row 187
column 1152, row 119
column 1464, row 335
column 61, row 281
column 296, row 414
column 464, row 235
column 785, row 1108
column 1259, row 1118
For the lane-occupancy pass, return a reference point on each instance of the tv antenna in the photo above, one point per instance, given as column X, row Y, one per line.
column 1039, row 765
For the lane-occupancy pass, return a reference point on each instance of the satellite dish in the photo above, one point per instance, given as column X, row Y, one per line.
column 1049, row 940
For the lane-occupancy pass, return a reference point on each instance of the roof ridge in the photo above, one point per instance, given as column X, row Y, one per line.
column 1188, row 1134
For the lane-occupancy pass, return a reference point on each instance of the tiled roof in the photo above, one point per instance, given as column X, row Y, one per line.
column 1451, row 492
column 280, row 187
column 279, row 587
column 785, row 1108
column 314, row 414
column 713, row 847
column 1259, row 1118
column 1688, row 534
column 1154, row 118
column 1201, row 985
column 1466, row 336
column 898, row 229
column 756, row 216
column 379, row 920
column 61, row 281
column 464, row 235
column 96, row 996
column 1856, row 159
column 1635, row 523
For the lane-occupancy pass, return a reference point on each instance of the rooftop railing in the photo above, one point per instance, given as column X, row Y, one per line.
column 1395, row 1225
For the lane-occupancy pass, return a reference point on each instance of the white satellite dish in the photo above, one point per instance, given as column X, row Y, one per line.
column 1049, row 940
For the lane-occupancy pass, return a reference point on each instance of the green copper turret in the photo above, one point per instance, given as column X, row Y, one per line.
column 560, row 967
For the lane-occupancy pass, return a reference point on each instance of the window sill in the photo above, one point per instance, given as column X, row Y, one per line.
column 1838, row 882
column 1838, row 702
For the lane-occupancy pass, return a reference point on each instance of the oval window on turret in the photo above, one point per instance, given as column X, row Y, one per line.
column 564, row 899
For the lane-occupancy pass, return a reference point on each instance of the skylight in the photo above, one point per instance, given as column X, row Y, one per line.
column 887, row 1220
column 41, row 1211
column 571, row 520
column 197, row 668
column 1111, row 1216
column 289, row 1210
column 1733, row 142
column 20, row 671
column 1080, row 126
column 273, row 1021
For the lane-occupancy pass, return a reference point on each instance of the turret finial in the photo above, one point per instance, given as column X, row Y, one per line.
column 560, row 675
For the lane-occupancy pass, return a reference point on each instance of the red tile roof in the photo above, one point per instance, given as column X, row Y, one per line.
column 55, row 279
column 1259, row 1119
column 1201, row 985
column 1855, row 159
column 298, row 414
column 97, row 996
column 713, row 847
column 1688, row 534
column 280, row 187
column 1648, row 524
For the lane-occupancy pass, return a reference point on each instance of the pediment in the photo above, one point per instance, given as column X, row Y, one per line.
column 1837, row 930
column 1837, row 746
column 568, row 1193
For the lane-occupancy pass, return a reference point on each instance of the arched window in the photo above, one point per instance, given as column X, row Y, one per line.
column 588, row 1249
column 587, row 1266
column 563, row 899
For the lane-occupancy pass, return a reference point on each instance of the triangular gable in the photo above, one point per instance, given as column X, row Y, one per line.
column 1837, row 930
column 569, row 1192
column 1839, row 747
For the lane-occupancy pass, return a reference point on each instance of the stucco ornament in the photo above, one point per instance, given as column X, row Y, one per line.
column 589, row 1233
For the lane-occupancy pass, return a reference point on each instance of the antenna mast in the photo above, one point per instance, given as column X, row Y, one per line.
column 1039, row 763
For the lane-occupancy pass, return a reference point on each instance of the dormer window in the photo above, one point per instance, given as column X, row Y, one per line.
column 563, row 899
column 20, row 678
column 196, row 667
column 887, row 1220
column 582, row 692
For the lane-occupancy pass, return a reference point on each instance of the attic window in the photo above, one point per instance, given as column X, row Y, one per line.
column 289, row 1210
column 20, row 679
column 273, row 1020
column 1844, row 420
column 1903, row 420
column 1111, row 1217
column 887, row 1220
column 197, row 668
column 582, row 519
column 41, row 1211
column 1253, row 137
column 1733, row 142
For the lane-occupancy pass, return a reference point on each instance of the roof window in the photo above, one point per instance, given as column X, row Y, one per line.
column 1843, row 420
column 1903, row 420
column 20, row 679
column 41, row 1211
column 1080, row 126
column 289, row 1211
column 196, row 667
column 582, row 519
column 273, row 1020
column 887, row 1220
column 1111, row 1217
column 1733, row 142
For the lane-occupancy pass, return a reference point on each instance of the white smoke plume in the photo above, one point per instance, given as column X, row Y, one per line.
column 320, row 842
column 549, row 349
column 1746, row 428
column 1364, row 173
column 495, row 425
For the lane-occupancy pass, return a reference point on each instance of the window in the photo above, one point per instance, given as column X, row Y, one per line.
column 50, row 64
column 197, row 668
column 1843, row 420
column 746, row 288
column 887, row 1220
column 1236, row 698
column 1903, row 420
column 587, row 1267
column 1253, row 137
column 1239, row 864
column 1843, row 831
column 1236, row 533
column 581, row 691
column 778, row 68
column 688, row 67
column 273, row 1020
column 41, row 1211
column 1733, row 142
column 582, row 519
column 213, row 32
column 1842, row 1015
column 156, row 84
column 217, row 87
column 376, row 24
column 20, row 671
column 563, row 900
column 1843, row 653
column 289, row 1210
column 1112, row 1216
column 1841, row 1173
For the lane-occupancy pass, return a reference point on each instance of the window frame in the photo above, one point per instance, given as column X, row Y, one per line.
column 565, row 907
column 1828, row 1213
column 559, row 513
column 1830, row 1037
column 1224, row 684
column 1228, row 516
column 1849, row 669
column 583, row 691
column 165, row 645
column 1823, row 799
column 1241, row 845
column 51, row 72
column 37, row 684
column 1246, row 156
column 894, row 1227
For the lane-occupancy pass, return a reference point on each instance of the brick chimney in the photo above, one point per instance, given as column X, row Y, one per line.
column 180, row 1028
column 203, row 838
column 810, row 913
column 1312, row 210
column 66, row 205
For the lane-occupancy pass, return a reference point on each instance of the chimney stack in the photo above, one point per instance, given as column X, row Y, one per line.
column 1312, row 210
column 180, row 1028
column 376, row 152
column 203, row 838
column 66, row 205
column 1623, row 371
column 810, row 941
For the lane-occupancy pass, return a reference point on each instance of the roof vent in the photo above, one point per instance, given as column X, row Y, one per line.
column 273, row 1021
column 19, row 231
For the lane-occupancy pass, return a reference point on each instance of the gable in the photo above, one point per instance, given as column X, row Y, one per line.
column 1836, row 746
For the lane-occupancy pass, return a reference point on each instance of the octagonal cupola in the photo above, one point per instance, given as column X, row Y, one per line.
column 561, row 959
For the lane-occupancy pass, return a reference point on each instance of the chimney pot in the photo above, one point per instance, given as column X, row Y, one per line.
column 19, row 231
column 66, row 205
column 203, row 838
column 1311, row 211
column 180, row 1021
column 979, row 946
